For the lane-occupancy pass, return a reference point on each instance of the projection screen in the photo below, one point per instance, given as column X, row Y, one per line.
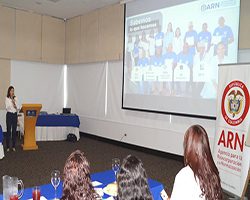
column 171, row 54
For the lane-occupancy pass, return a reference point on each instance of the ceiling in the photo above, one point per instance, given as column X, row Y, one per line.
column 64, row 9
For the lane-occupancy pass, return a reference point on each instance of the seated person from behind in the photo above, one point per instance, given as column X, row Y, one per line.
column 77, row 183
column 132, row 180
column 199, row 179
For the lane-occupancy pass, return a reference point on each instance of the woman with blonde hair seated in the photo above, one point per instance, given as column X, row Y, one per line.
column 199, row 179
column 77, row 183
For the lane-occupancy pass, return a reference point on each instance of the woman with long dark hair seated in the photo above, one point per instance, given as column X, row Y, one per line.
column 199, row 179
column 132, row 180
column 77, row 183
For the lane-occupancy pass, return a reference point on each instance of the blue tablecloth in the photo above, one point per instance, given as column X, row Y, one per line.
column 58, row 120
column 105, row 178
column 1, row 134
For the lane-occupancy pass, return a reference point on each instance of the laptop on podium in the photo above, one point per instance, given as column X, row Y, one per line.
column 66, row 111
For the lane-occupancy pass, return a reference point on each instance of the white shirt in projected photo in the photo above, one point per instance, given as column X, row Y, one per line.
column 209, row 91
column 130, row 47
column 200, row 64
column 177, row 44
column 151, row 46
column 145, row 46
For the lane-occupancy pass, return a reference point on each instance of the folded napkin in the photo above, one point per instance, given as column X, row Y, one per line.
column 109, row 198
column 96, row 183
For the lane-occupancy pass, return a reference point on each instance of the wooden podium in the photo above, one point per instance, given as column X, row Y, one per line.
column 31, row 112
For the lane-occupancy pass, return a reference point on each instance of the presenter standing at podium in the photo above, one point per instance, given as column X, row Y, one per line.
column 11, row 105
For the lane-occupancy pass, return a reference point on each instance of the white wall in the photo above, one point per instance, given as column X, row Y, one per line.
column 244, row 56
column 93, row 83
column 95, row 93
column 37, row 83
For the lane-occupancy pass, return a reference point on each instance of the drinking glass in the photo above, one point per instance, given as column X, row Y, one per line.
column 36, row 193
column 13, row 197
column 115, row 165
column 55, row 179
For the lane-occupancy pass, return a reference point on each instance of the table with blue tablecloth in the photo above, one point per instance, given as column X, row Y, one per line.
column 58, row 120
column 56, row 127
column 105, row 178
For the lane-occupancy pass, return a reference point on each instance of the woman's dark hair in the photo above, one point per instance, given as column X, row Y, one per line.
column 177, row 29
column 8, row 92
column 197, row 155
column 132, row 180
column 77, row 183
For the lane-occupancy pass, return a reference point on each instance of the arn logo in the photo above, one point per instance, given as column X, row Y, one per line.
column 211, row 6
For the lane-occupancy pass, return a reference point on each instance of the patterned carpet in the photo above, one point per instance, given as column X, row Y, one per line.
column 34, row 167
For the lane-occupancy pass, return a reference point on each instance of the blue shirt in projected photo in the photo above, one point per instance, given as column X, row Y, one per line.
column 159, row 39
column 206, row 37
column 226, row 33
column 157, row 61
column 136, row 51
column 191, row 39
column 185, row 59
column 170, row 56
column 143, row 62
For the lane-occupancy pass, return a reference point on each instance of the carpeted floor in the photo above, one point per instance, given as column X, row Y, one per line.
column 34, row 167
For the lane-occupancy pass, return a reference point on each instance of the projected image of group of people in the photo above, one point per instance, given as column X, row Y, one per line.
column 177, row 61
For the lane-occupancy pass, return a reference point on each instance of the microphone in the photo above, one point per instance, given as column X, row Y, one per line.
column 13, row 102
